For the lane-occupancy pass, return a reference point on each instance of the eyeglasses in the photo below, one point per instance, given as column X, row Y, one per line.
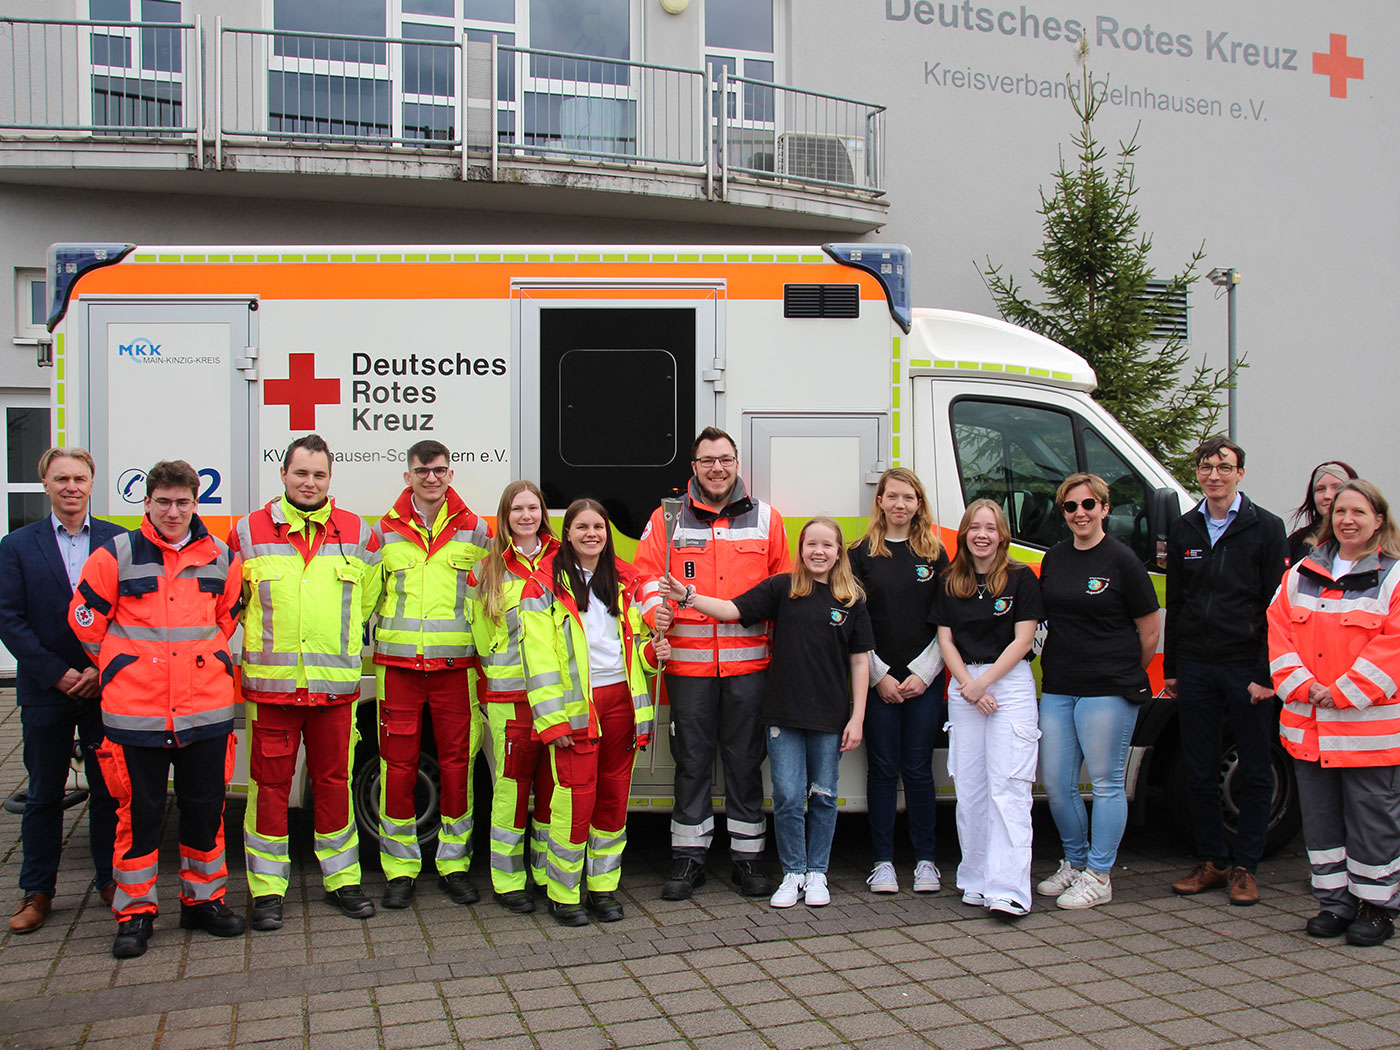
column 1069, row 506
column 424, row 473
column 1224, row 470
column 709, row 461
column 184, row 506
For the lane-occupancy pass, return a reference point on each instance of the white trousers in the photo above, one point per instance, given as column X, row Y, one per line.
column 992, row 760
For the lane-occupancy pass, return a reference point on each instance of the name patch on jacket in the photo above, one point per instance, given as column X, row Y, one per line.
column 1193, row 553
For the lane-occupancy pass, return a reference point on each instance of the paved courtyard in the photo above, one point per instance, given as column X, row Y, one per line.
column 1149, row 970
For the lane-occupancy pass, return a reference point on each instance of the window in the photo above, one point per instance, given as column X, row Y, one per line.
column 26, row 438
column 126, row 93
column 1016, row 455
column 739, row 39
column 1128, row 495
column 31, row 303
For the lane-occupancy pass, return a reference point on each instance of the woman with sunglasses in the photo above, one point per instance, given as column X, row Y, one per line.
column 1102, row 613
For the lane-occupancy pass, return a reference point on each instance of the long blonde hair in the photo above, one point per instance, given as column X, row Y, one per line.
column 1387, row 538
column 960, row 578
column 493, row 566
column 844, row 586
column 923, row 530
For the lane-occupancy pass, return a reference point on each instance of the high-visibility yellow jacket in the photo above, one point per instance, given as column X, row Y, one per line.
column 423, row 611
column 554, row 650
column 311, row 580
column 498, row 641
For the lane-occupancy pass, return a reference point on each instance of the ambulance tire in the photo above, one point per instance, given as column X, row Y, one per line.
column 364, row 792
column 1285, row 817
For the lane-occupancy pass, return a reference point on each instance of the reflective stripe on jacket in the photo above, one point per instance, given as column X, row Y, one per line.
column 498, row 641
column 310, row 581
column 423, row 610
column 555, row 653
column 156, row 621
column 723, row 552
column 1345, row 634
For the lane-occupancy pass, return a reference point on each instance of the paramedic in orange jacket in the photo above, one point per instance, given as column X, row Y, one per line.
column 155, row 609
column 1334, row 651
column 725, row 542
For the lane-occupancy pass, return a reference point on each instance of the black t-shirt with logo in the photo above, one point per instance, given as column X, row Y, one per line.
column 809, row 680
column 985, row 624
column 1092, row 598
column 900, row 591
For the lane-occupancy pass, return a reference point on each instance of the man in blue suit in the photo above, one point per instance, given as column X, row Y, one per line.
column 58, row 689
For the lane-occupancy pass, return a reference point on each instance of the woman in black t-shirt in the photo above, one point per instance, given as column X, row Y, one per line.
column 1323, row 484
column 987, row 611
column 1103, row 628
column 815, row 706
column 899, row 562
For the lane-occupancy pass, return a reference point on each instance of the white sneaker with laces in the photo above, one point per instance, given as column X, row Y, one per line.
column 883, row 879
column 818, row 896
column 927, row 877
column 1062, row 880
column 1087, row 890
column 785, row 896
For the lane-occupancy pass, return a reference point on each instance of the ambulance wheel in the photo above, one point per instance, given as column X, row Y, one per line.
column 364, row 788
column 1285, row 818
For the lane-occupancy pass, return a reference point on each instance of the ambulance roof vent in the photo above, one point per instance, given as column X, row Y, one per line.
column 68, row 262
column 888, row 264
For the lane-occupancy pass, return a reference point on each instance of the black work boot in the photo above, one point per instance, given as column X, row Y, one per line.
column 351, row 901
column 687, row 875
column 568, row 914
column 398, row 892
column 266, row 913
column 458, row 887
column 517, row 902
column 748, row 876
column 605, row 907
column 132, row 935
column 212, row 917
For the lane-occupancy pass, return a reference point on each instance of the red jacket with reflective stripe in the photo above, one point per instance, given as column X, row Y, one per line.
column 156, row 621
column 723, row 551
column 1345, row 634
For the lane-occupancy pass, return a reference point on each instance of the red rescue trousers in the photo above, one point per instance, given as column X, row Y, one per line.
column 617, row 751
column 137, row 778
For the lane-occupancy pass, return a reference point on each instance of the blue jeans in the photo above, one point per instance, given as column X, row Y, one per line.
column 899, row 744
column 48, row 748
column 1094, row 731
column 804, row 767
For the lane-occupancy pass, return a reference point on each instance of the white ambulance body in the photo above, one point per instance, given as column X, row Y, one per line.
column 587, row 368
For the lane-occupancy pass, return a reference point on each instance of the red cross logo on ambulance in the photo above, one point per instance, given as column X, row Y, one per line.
column 1337, row 66
column 302, row 391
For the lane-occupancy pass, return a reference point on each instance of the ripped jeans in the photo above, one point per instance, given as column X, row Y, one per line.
column 804, row 764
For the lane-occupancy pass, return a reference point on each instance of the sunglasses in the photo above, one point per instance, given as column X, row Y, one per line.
column 1069, row 506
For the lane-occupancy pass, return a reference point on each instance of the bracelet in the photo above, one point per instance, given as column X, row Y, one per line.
column 689, row 599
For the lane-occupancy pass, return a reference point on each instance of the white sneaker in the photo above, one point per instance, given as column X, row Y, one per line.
column 883, row 879
column 818, row 896
column 975, row 899
column 1062, row 880
column 926, row 877
column 785, row 896
column 1088, row 890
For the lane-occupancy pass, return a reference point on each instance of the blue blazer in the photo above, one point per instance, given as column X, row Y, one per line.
column 34, row 597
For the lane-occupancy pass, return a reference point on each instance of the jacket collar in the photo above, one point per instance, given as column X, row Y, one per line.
column 404, row 518
column 284, row 512
column 197, row 533
column 1244, row 517
column 1318, row 562
column 739, row 501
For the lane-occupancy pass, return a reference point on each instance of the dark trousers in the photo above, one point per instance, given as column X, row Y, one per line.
column 1351, row 824
column 1209, row 694
column 48, row 748
column 726, row 713
column 899, row 745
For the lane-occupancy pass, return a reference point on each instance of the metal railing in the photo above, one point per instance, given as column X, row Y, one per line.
column 91, row 79
column 460, row 97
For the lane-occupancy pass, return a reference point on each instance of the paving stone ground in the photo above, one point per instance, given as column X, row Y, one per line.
column 1148, row 970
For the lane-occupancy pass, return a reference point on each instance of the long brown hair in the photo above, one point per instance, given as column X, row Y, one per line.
column 960, row 579
column 604, row 583
column 845, row 588
column 493, row 566
column 923, row 530
column 1387, row 537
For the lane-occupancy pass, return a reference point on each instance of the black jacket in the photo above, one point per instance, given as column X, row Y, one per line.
column 1217, row 596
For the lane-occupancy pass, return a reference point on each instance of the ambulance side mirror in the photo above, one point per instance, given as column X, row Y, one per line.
column 1163, row 508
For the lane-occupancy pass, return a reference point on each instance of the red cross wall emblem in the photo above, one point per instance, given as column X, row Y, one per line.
column 1338, row 66
column 301, row 391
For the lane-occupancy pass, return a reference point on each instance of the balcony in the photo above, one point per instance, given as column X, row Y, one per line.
column 476, row 123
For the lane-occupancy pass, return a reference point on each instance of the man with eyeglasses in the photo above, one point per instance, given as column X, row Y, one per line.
column 310, row 581
column 154, row 610
column 725, row 542
column 1224, row 561
column 423, row 655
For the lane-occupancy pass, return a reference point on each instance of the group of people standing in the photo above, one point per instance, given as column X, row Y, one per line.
column 540, row 648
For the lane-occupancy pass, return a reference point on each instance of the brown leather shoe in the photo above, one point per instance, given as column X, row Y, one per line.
column 1243, row 889
column 1201, row 878
column 31, row 913
column 108, row 892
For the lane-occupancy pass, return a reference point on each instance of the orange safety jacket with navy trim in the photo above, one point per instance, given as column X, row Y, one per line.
column 722, row 551
column 1345, row 634
column 156, row 620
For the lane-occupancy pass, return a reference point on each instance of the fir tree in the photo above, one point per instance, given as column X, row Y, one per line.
column 1093, row 270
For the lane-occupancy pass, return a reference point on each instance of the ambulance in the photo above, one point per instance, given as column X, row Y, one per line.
column 589, row 369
